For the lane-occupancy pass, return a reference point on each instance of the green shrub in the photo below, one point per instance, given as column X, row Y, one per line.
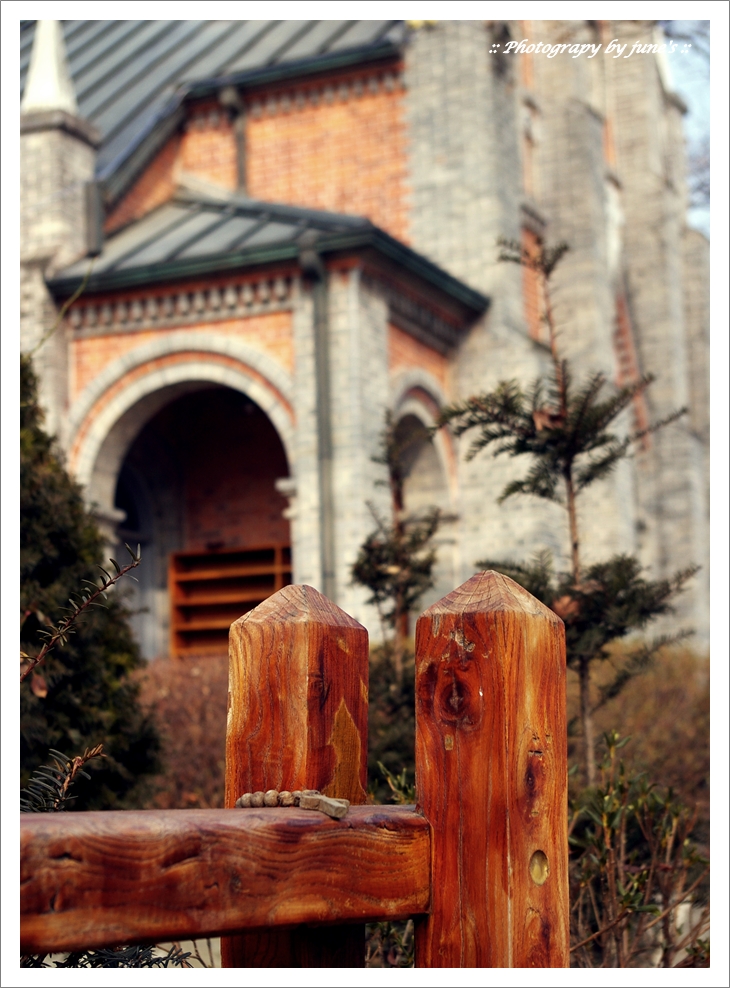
column 83, row 694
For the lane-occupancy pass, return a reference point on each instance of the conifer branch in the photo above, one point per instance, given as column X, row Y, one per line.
column 47, row 791
column 79, row 602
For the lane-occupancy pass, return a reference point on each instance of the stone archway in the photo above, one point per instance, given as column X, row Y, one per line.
column 427, row 485
column 134, row 450
column 109, row 413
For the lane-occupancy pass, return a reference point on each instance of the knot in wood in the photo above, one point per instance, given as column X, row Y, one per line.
column 458, row 700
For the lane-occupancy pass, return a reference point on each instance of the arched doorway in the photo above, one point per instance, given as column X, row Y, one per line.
column 197, row 488
column 425, row 487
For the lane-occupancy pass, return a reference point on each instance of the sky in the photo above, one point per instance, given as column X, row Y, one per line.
column 690, row 71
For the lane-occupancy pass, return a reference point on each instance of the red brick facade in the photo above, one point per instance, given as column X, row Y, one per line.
column 344, row 156
column 338, row 145
column 532, row 291
column 404, row 351
column 155, row 186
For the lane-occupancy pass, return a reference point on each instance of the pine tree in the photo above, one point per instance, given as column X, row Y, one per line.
column 567, row 432
column 83, row 694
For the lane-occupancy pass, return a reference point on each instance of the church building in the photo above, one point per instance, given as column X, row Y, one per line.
column 272, row 232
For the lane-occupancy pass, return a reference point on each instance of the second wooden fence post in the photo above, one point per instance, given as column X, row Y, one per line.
column 491, row 778
column 297, row 719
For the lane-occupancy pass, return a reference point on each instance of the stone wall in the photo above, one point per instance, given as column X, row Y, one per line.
column 55, row 164
column 650, row 162
column 605, row 174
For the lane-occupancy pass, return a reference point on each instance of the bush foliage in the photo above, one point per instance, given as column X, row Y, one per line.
column 83, row 694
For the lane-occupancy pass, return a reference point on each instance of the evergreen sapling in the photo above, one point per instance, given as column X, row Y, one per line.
column 567, row 432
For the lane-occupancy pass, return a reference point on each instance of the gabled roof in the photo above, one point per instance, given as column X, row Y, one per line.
column 195, row 235
column 130, row 77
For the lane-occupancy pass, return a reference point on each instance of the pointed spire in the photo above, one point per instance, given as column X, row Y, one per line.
column 48, row 85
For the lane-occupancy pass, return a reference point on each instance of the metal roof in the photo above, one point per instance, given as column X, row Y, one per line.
column 130, row 75
column 194, row 235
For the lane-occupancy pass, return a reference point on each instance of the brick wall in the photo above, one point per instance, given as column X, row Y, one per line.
column 155, row 186
column 532, row 291
column 208, row 146
column 232, row 456
column 405, row 352
column 344, row 154
column 338, row 144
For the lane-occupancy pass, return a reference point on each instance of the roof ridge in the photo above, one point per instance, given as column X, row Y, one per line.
column 187, row 195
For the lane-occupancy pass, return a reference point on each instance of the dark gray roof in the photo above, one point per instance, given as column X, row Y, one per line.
column 194, row 235
column 131, row 75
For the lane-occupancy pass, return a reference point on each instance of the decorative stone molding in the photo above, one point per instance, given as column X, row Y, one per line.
column 98, row 432
column 184, row 306
column 299, row 98
column 295, row 100
column 72, row 124
column 288, row 487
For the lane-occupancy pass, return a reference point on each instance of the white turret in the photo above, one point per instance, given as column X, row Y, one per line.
column 48, row 85
column 57, row 164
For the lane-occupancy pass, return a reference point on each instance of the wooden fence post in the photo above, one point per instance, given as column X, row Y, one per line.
column 297, row 719
column 491, row 778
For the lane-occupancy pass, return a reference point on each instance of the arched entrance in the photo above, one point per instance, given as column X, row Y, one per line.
column 426, row 487
column 213, row 396
column 197, row 488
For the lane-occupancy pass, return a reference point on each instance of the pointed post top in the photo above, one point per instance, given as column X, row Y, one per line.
column 298, row 603
column 490, row 591
column 48, row 85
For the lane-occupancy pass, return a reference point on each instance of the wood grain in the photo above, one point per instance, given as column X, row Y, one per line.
column 491, row 775
column 101, row 879
column 297, row 719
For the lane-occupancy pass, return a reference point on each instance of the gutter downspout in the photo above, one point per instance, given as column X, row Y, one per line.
column 314, row 270
column 94, row 218
column 231, row 99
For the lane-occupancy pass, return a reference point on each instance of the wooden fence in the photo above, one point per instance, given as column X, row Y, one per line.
column 480, row 862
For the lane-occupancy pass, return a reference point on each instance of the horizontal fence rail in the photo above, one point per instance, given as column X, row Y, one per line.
column 99, row 879
column 481, row 863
